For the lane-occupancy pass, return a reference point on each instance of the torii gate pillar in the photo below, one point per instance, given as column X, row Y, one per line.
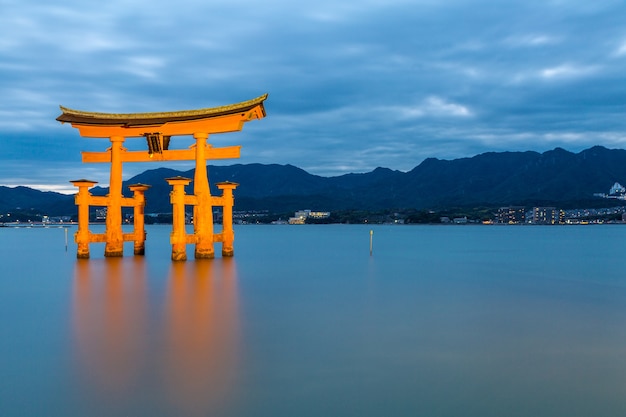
column 203, row 210
column 114, row 237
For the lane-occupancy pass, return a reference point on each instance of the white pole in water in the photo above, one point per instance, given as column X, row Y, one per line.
column 65, row 228
column 371, row 241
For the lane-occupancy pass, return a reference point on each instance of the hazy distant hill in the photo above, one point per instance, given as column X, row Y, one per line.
column 556, row 177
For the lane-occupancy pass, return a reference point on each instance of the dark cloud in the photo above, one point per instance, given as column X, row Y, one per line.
column 352, row 86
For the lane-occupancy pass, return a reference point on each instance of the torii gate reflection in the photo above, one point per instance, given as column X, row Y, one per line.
column 180, row 358
column 157, row 129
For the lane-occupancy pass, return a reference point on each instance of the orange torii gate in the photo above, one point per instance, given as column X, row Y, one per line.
column 157, row 129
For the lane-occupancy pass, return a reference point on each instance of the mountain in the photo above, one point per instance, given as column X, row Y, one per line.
column 554, row 177
column 24, row 199
column 557, row 177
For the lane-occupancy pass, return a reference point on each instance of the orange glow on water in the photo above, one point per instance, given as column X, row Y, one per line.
column 182, row 344
column 110, row 317
column 202, row 335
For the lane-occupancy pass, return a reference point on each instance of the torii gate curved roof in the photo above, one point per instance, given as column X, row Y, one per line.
column 214, row 120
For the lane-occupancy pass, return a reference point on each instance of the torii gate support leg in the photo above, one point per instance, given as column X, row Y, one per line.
column 82, row 201
column 228, row 234
column 178, row 238
column 138, row 217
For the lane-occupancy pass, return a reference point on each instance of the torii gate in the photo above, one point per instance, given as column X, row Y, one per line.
column 158, row 128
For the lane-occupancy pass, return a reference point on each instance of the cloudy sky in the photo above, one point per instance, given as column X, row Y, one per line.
column 352, row 85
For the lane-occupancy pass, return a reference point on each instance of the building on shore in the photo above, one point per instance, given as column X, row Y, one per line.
column 301, row 216
column 545, row 215
column 511, row 215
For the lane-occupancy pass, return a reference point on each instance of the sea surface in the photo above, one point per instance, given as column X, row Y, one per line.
column 438, row 321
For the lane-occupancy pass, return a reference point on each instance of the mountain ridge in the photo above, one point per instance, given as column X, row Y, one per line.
column 556, row 177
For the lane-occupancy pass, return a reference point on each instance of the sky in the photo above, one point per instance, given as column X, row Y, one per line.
column 353, row 85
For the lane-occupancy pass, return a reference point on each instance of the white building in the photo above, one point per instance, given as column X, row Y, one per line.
column 301, row 216
column 617, row 189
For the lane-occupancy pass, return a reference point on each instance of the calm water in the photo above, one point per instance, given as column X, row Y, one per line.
column 440, row 321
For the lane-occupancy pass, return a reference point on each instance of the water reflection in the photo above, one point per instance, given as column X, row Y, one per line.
column 201, row 335
column 110, row 319
column 149, row 348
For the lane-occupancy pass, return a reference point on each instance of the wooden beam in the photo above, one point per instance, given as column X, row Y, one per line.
column 97, row 237
column 222, row 124
column 191, row 200
column 98, row 200
column 229, row 152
